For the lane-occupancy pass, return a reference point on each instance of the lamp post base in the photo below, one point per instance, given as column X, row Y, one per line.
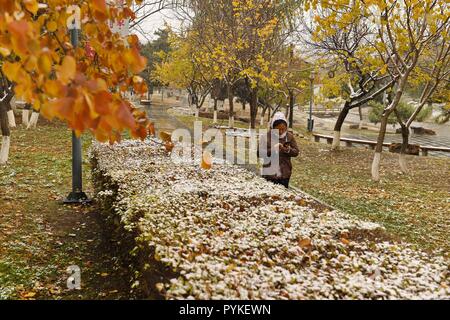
column 310, row 125
column 77, row 198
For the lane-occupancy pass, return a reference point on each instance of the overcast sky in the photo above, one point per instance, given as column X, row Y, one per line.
column 154, row 22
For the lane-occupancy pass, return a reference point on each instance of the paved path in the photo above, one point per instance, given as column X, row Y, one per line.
column 164, row 121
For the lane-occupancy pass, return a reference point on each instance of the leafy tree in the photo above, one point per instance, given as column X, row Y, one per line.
column 83, row 86
column 239, row 40
column 153, row 51
column 182, row 68
column 408, row 40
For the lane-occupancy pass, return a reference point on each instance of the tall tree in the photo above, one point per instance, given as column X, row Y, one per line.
column 84, row 86
column 340, row 38
column 239, row 40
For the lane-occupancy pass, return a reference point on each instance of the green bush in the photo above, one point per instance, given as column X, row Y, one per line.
column 424, row 114
column 376, row 112
column 405, row 110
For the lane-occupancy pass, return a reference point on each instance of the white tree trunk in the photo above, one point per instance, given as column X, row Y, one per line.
column 402, row 162
column 11, row 119
column 215, row 116
column 336, row 140
column 361, row 124
column 376, row 166
column 25, row 117
column 261, row 121
column 33, row 120
column 4, row 152
column 231, row 122
column 196, row 113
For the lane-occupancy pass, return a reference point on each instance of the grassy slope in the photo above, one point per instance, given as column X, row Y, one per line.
column 40, row 237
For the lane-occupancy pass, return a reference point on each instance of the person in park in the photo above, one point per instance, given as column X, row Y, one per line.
column 277, row 166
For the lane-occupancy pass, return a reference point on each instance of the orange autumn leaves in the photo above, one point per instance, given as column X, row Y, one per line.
column 83, row 86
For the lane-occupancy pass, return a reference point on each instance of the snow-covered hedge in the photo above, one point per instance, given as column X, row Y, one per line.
column 225, row 233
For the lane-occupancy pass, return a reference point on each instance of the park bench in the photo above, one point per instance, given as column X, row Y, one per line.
column 426, row 149
column 349, row 143
column 146, row 102
column 323, row 111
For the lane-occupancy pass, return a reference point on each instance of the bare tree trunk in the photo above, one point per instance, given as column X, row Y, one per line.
column 405, row 144
column 360, row 117
column 26, row 114
column 33, row 120
column 11, row 119
column 403, row 151
column 215, row 112
column 261, row 119
column 338, row 126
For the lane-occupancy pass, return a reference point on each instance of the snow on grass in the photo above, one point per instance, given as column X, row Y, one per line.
column 229, row 234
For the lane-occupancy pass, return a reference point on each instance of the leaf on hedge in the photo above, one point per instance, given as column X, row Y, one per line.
column 166, row 137
column 206, row 161
column 305, row 243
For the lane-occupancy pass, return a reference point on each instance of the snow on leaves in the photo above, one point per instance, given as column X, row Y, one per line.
column 229, row 234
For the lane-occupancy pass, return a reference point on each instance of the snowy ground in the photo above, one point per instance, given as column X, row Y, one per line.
column 228, row 234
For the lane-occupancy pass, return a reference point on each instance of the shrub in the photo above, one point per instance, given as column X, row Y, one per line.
column 226, row 233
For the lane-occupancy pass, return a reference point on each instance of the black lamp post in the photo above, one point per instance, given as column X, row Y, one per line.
column 77, row 195
column 311, row 101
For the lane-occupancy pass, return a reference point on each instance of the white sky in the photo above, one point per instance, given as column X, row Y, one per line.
column 151, row 24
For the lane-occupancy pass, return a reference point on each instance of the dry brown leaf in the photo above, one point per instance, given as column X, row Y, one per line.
column 206, row 161
column 305, row 243
column 166, row 137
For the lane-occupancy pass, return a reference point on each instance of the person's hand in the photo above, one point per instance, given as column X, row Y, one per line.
column 277, row 147
column 285, row 148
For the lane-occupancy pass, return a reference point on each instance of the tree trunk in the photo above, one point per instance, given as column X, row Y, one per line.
column 338, row 126
column 379, row 148
column 215, row 112
column 6, row 139
column 33, row 120
column 243, row 105
column 403, row 151
column 231, row 106
column 11, row 119
column 26, row 114
column 405, row 143
column 360, row 117
column 291, row 109
column 253, row 107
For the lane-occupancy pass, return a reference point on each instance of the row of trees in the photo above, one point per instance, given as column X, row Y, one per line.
column 237, row 49
column 247, row 48
column 367, row 49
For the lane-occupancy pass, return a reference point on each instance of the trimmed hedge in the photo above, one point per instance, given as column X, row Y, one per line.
column 225, row 233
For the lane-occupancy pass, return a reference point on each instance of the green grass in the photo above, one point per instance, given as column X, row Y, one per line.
column 37, row 231
column 413, row 207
